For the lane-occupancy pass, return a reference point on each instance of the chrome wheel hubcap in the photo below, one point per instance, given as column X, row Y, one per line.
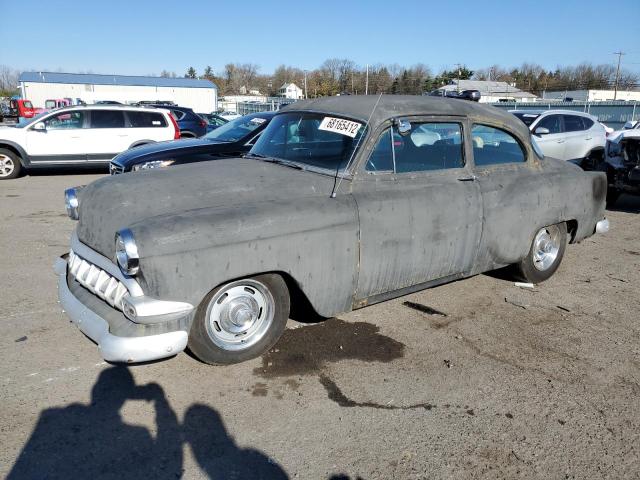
column 546, row 246
column 6, row 166
column 240, row 314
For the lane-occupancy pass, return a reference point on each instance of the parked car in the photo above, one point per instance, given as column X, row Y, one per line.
column 230, row 140
column 108, row 102
column 191, row 125
column 341, row 203
column 52, row 104
column 21, row 109
column 229, row 115
column 81, row 136
column 213, row 120
column 622, row 163
column 473, row 95
column 566, row 134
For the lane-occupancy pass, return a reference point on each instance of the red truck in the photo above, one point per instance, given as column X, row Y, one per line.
column 19, row 108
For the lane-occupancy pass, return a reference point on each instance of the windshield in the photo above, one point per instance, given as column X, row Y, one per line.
column 315, row 140
column 527, row 118
column 236, row 129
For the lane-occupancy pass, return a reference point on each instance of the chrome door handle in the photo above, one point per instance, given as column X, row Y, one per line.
column 471, row 178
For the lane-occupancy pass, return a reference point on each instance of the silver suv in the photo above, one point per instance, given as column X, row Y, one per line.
column 566, row 134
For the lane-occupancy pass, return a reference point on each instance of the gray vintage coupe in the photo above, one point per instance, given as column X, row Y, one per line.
column 342, row 202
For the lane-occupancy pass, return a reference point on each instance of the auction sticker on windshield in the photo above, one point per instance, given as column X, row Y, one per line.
column 340, row 125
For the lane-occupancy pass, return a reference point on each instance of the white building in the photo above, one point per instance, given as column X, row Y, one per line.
column 200, row 95
column 593, row 95
column 491, row 91
column 291, row 90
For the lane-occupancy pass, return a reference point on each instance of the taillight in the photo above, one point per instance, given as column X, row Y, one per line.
column 176, row 135
column 203, row 123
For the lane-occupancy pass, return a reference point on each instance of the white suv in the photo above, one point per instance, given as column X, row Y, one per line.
column 565, row 134
column 81, row 135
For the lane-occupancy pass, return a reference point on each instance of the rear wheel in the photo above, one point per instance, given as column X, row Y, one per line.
column 612, row 197
column 240, row 320
column 10, row 166
column 545, row 254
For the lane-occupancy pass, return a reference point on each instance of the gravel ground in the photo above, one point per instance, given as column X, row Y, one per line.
column 504, row 382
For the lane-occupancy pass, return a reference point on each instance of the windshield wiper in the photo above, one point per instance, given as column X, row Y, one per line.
column 277, row 161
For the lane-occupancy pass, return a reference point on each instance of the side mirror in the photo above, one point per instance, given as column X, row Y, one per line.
column 404, row 126
column 541, row 131
column 40, row 126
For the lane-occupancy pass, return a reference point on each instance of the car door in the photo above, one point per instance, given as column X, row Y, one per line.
column 576, row 143
column 419, row 208
column 63, row 140
column 108, row 133
column 145, row 126
column 510, row 188
column 552, row 143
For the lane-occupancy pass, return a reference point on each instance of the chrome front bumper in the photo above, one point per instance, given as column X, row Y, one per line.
column 115, row 348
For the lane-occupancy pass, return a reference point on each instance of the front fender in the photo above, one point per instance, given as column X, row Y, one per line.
column 314, row 240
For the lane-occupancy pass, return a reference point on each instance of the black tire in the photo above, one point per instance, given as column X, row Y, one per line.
column 201, row 342
column 16, row 165
column 527, row 271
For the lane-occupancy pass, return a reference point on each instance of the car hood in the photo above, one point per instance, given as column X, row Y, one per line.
column 172, row 147
column 620, row 135
column 121, row 201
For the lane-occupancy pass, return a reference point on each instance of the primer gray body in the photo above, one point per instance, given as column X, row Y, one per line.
column 200, row 225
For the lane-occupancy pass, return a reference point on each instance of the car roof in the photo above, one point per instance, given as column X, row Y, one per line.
column 554, row 111
column 380, row 108
column 106, row 107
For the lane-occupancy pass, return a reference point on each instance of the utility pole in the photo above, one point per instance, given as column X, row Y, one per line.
column 305, row 84
column 458, row 79
column 366, row 83
column 615, row 88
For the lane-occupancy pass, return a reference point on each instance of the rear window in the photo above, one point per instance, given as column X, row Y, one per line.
column 146, row 119
column 177, row 114
column 107, row 119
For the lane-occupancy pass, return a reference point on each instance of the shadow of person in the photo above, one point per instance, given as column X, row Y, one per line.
column 218, row 455
column 92, row 441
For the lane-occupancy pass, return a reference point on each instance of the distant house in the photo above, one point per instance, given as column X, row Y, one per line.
column 291, row 90
column 491, row 91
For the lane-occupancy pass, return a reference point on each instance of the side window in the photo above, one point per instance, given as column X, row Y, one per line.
column 107, row 119
column 573, row 123
column 552, row 123
column 146, row 120
column 428, row 146
column 587, row 122
column 63, row 121
column 492, row 146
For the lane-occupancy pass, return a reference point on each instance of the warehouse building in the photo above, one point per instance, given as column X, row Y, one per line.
column 200, row 95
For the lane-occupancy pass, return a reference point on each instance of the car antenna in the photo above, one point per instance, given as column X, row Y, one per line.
column 336, row 181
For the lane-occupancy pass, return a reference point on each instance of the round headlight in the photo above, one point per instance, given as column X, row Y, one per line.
column 72, row 203
column 127, row 252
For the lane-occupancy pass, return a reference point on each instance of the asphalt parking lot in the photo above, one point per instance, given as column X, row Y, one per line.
column 489, row 381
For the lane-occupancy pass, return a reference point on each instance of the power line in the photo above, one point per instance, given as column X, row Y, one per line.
column 615, row 90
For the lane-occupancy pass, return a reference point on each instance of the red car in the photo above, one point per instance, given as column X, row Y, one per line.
column 19, row 108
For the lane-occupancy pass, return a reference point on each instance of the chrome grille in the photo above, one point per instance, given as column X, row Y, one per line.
column 115, row 169
column 96, row 280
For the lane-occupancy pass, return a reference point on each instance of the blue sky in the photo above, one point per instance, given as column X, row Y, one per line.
column 140, row 37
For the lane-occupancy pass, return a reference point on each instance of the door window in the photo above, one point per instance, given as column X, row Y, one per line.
column 64, row 121
column 492, row 146
column 146, row 120
column 573, row 123
column 107, row 119
column 552, row 123
column 428, row 146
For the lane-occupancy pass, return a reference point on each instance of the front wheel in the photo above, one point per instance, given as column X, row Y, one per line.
column 545, row 254
column 10, row 166
column 240, row 320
